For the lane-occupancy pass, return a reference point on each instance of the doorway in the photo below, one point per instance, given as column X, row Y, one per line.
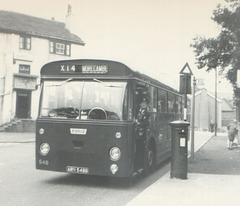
column 23, row 104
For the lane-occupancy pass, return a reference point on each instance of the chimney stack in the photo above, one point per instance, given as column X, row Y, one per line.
column 68, row 18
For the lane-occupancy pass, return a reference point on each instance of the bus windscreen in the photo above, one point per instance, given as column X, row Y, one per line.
column 83, row 100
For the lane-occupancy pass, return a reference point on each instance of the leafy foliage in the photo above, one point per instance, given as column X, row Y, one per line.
column 222, row 52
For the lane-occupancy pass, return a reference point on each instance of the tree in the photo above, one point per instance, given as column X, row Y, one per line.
column 222, row 52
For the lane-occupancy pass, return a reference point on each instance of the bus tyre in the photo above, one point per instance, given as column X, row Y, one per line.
column 150, row 158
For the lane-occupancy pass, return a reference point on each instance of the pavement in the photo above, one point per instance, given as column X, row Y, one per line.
column 213, row 178
column 10, row 137
column 213, row 174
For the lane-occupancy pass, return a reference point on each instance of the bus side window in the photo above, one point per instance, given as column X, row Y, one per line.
column 178, row 104
column 153, row 97
column 171, row 103
column 181, row 105
column 162, row 101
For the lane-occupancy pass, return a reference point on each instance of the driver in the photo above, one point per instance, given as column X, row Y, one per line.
column 143, row 114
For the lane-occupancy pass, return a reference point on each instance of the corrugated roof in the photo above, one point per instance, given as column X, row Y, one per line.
column 21, row 23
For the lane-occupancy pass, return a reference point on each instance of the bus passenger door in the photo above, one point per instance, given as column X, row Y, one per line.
column 142, row 120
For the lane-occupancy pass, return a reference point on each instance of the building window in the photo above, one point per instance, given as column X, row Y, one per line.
column 24, row 69
column 59, row 48
column 67, row 49
column 25, row 43
column 51, row 47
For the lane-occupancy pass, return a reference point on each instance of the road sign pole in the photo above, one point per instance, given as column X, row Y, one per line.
column 185, row 86
column 185, row 100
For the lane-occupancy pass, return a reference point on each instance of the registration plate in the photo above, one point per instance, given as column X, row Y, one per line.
column 77, row 170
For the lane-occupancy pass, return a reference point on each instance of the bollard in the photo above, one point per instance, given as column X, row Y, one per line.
column 179, row 149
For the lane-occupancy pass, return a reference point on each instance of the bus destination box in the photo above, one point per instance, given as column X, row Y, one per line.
column 179, row 149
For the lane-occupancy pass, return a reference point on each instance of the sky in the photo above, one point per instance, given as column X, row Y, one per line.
column 150, row 36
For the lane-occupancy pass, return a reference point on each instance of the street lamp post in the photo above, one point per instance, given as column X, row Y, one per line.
column 216, row 125
column 238, row 87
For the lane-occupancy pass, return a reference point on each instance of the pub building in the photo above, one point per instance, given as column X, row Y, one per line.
column 27, row 43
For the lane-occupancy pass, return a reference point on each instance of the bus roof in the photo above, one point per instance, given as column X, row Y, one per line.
column 93, row 68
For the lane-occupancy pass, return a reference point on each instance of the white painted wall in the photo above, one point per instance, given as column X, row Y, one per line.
column 36, row 58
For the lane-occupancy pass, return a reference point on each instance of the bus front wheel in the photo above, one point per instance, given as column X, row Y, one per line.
column 150, row 158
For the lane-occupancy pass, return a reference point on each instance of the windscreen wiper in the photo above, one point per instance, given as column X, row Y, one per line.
column 105, row 84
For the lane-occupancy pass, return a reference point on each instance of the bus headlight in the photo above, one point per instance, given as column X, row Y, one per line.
column 118, row 135
column 115, row 153
column 44, row 148
column 41, row 131
column 114, row 168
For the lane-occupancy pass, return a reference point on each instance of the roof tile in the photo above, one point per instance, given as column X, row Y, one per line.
column 16, row 22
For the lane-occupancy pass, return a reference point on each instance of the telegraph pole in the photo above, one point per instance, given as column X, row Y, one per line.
column 216, row 122
column 193, row 119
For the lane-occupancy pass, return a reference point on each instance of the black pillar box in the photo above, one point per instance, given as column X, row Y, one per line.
column 179, row 149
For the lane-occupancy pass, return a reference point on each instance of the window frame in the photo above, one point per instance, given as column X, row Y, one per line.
column 171, row 99
column 162, row 105
column 49, row 103
column 55, row 48
column 153, row 99
column 24, row 43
